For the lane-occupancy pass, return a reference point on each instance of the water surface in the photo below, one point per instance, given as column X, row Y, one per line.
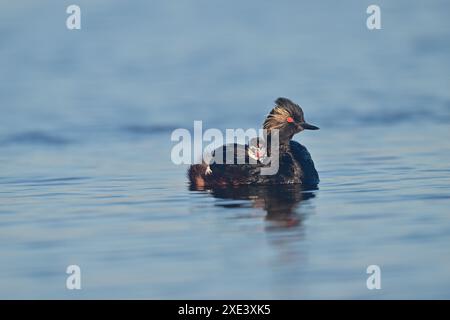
column 85, row 170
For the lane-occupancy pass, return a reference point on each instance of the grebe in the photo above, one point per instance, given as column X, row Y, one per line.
column 295, row 163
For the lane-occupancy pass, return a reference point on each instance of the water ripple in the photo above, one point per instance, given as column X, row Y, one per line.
column 35, row 138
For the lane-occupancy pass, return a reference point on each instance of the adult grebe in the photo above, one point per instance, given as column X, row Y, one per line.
column 295, row 163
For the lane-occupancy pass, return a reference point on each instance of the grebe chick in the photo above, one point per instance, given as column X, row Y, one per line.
column 255, row 150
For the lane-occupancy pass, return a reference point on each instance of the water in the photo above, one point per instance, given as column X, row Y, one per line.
column 85, row 170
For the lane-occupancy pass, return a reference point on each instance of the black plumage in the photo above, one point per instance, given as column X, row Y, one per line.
column 295, row 163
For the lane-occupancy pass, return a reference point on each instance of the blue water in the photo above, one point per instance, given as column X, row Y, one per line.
column 86, row 176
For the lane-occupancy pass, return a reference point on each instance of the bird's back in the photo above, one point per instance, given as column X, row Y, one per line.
column 295, row 167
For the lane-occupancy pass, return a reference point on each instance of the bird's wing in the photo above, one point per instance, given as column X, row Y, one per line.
column 231, row 152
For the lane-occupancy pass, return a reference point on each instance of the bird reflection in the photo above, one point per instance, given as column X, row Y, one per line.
column 280, row 202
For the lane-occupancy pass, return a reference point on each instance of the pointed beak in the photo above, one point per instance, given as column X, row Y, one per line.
column 308, row 126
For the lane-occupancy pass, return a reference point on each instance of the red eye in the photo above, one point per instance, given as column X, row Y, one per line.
column 289, row 119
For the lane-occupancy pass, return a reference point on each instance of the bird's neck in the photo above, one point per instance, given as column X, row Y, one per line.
column 283, row 144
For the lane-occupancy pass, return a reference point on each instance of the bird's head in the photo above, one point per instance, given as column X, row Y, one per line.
column 288, row 118
column 257, row 149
